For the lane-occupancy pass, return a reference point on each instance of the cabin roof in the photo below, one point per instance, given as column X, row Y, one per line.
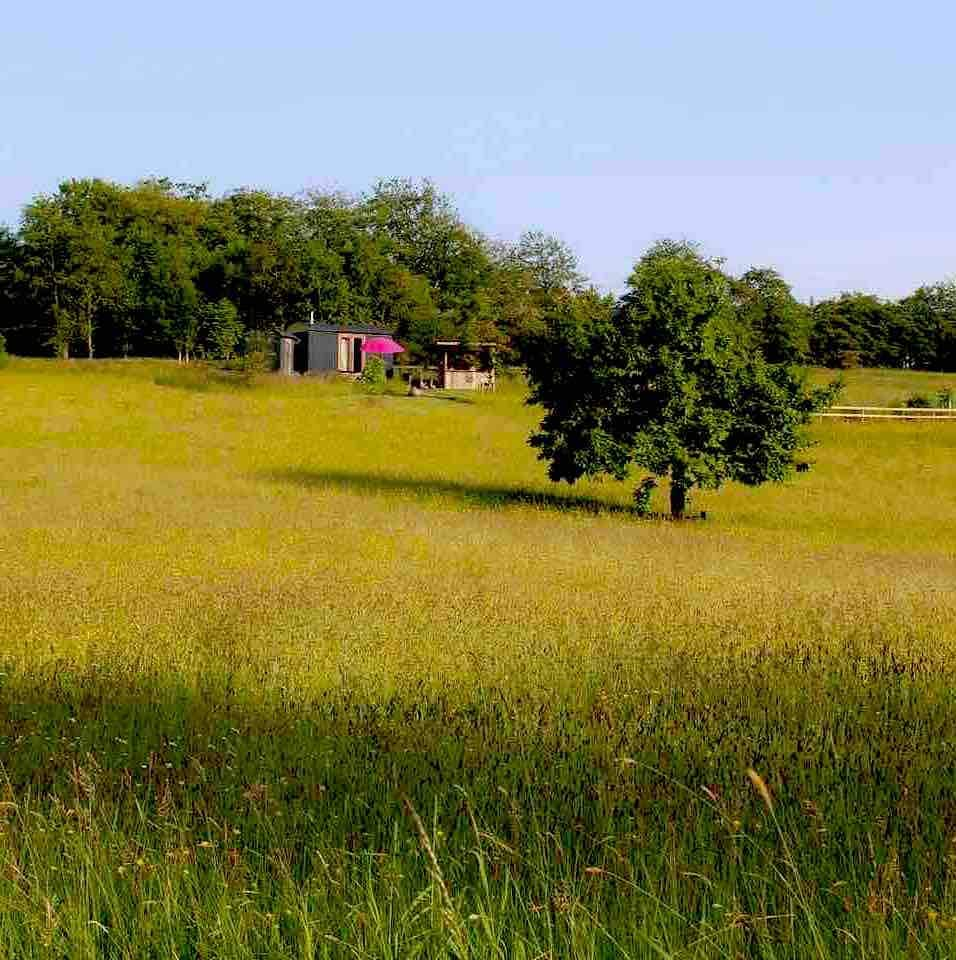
column 306, row 327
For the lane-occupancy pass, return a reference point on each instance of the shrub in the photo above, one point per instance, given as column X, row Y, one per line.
column 259, row 355
column 918, row 401
column 372, row 377
column 642, row 496
column 4, row 356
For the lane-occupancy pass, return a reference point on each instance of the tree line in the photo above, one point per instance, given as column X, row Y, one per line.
column 162, row 268
column 167, row 269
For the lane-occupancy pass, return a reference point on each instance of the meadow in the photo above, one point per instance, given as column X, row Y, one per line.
column 291, row 671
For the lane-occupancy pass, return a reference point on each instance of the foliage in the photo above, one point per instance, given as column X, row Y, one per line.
column 259, row 355
column 4, row 356
column 251, row 655
column 928, row 317
column 642, row 496
column 665, row 380
column 372, row 376
column 778, row 324
column 858, row 328
column 116, row 270
column 549, row 261
column 126, row 270
column 222, row 329
column 918, row 401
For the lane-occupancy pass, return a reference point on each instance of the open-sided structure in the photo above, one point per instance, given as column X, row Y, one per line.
column 466, row 366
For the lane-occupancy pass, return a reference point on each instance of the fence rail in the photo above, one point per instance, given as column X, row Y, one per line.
column 889, row 413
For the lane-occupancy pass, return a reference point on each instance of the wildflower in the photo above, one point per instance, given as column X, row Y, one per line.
column 761, row 787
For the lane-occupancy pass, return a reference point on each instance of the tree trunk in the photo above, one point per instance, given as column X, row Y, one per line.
column 65, row 351
column 678, row 492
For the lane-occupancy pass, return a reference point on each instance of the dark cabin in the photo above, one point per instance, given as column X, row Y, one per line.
column 310, row 348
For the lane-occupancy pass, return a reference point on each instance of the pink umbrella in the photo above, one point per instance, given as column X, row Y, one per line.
column 381, row 345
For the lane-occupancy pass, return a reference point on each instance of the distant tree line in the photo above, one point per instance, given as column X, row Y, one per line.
column 166, row 269
column 852, row 329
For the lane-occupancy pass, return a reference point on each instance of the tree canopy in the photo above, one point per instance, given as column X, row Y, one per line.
column 779, row 325
column 113, row 270
column 104, row 269
column 665, row 379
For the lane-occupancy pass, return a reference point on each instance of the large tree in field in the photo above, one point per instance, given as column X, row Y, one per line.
column 664, row 380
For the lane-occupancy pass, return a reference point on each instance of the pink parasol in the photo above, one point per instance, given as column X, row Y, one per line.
column 381, row 345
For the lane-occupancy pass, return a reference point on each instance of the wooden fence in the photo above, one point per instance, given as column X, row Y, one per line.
column 889, row 413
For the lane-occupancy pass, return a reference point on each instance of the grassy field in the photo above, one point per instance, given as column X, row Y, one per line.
column 290, row 671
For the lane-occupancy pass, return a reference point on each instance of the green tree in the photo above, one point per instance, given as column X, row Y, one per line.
column 930, row 314
column 346, row 260
column 72, row 249
column 420, row 225
column 516, row 306
column 550, row 262
column 184, row 320
column 665, row 381
column 406, row 306
column 11, row 316
column 857, row 328
column 417, row 228
column 96, row 284
column 163, row 237
column 44, row 235
column 258, row 243
column 779, row 323
column 223, row 329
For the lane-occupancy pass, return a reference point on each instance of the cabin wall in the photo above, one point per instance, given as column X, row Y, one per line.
column 323, row 352
column 323, row 348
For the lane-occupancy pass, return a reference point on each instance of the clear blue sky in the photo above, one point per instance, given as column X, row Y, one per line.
column 815, row 137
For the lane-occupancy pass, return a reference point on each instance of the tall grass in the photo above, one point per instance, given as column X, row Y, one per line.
column 292, row 671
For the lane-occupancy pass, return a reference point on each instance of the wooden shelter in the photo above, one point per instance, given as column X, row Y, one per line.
column 466, row 366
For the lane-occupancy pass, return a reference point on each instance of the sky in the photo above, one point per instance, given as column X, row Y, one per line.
column 814, row 137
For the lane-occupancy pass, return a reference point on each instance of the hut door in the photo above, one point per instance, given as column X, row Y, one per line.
column 344, row 354
column 357, row 354
column 300, row 355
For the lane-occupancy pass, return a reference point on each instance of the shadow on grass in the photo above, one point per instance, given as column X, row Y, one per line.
column 473, row 494
column 450, row 397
